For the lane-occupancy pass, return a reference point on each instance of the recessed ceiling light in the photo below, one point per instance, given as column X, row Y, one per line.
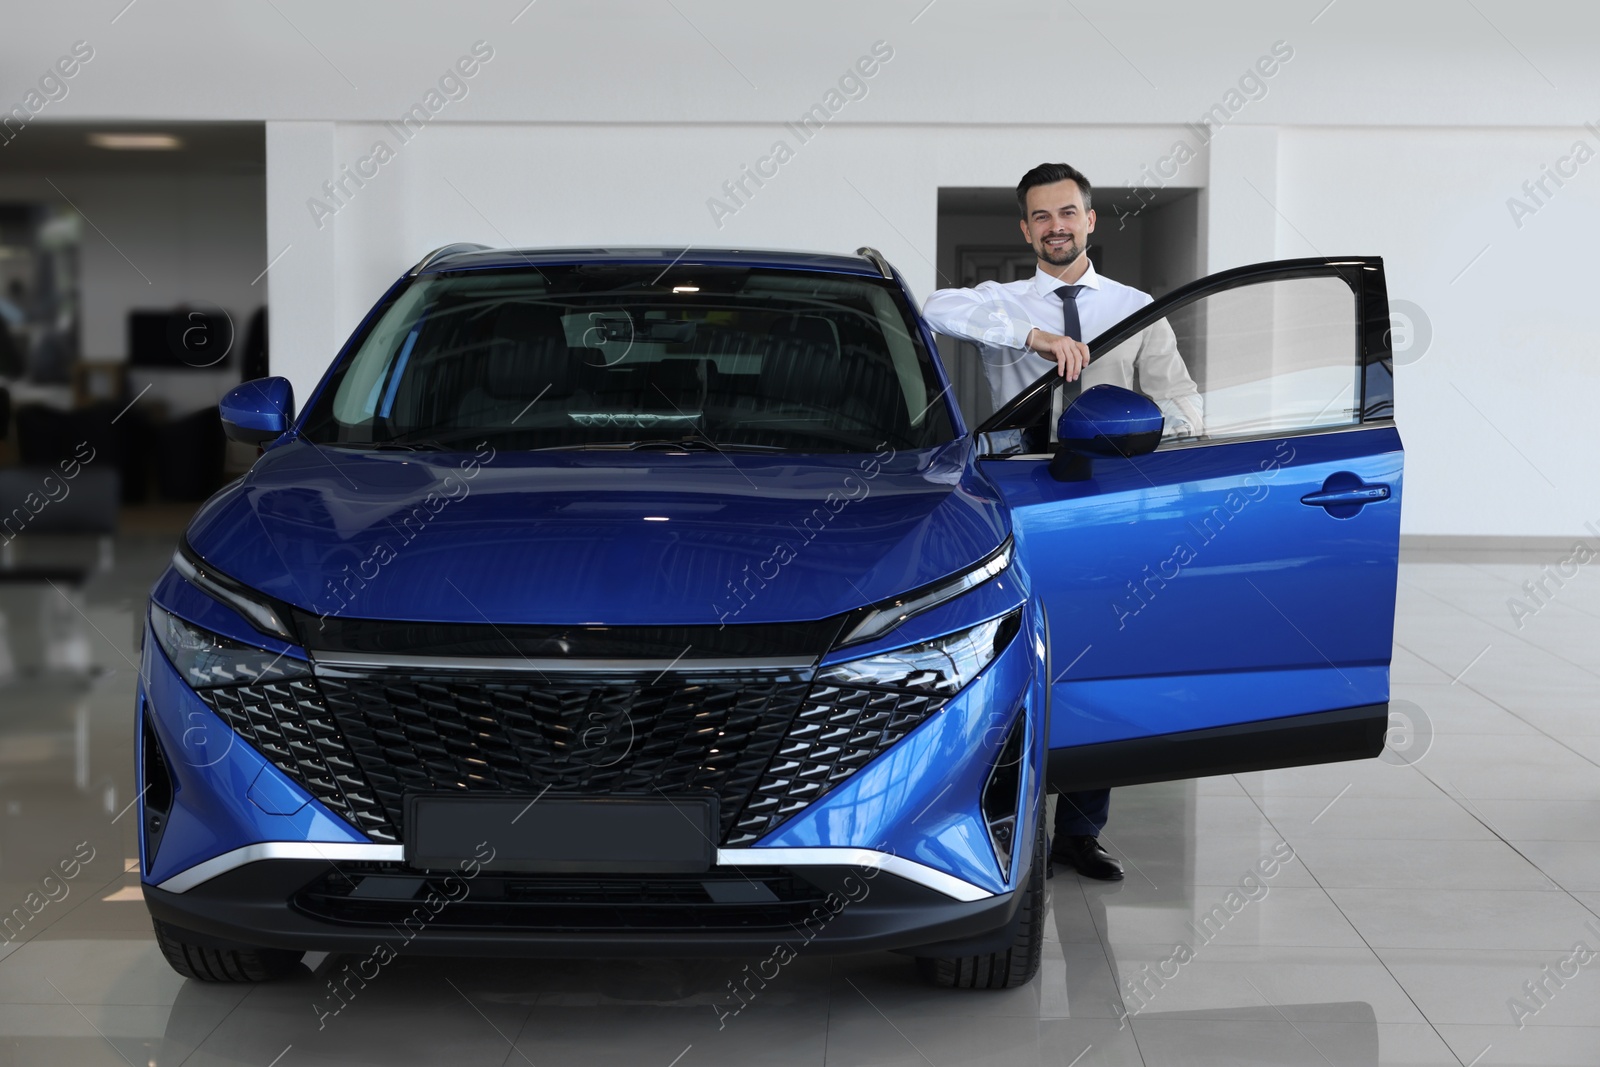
column 146, row 142
column 685, row 288
column 655, row 518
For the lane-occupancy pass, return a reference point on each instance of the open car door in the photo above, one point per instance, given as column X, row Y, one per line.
column 1225, row 602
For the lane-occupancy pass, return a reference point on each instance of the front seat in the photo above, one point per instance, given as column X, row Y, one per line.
column 525, row 369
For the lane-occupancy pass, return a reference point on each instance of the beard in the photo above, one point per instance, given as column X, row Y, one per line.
column 1066, row 257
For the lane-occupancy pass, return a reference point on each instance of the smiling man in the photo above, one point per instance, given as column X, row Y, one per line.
column 1050, row 316
column 1066, row 303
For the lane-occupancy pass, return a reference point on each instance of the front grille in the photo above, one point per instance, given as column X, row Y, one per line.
column 838, row 731
column 765, row 743
column 287, row 723
column 518, row 734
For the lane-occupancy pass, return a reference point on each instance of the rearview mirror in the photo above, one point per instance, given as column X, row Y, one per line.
column 258, row 411
column 1108, row 421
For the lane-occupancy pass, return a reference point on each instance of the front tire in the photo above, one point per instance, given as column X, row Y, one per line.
column 1016, row 965
column 206, row 964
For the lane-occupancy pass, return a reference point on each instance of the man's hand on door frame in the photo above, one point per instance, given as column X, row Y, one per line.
column 1070, row 356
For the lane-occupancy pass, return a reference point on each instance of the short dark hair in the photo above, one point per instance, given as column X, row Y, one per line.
column 1049, row 174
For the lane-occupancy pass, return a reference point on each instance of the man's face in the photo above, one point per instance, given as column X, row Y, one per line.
column 1057, row 226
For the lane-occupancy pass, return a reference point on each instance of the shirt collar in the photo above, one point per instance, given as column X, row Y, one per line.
column 1046, row 284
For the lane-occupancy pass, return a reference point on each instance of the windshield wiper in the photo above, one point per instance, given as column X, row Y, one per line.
column 435, row 439
column 387, row 446
column 685, row 444
column 665, row 444
column 700, row 442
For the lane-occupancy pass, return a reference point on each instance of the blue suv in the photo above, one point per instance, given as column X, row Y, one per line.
column 659, row 601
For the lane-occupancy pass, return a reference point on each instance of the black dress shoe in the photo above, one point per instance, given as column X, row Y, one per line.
column 1085, row 855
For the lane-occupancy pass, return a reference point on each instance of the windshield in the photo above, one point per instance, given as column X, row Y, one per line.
column 606, row 356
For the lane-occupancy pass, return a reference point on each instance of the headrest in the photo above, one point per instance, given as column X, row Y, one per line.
column 527, row 352
column 802, row 371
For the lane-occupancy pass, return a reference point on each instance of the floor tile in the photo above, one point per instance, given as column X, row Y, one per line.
column 126, row 914
column 1573, row 865
column 1215, row 860
column 1587, row 746
column 1451, row 918
column 1419, row 864
column 409, row 1020
column 137, row 1033
column 100, row 969
column 49, row 1035
column 1540, row 820
column 785, row 1022
column 1436, row 818
column 1532, row 1046
column 1408, row 669
column 1261, row 913
column 1261, row 983
column 1179, row 807
column 1460, row 709
column 1070, row 918
column 1252, row 1042
column 1510, row 767
column 860, row 1039
column 1472, row 986
column 1363, row 778
column 1572, row 718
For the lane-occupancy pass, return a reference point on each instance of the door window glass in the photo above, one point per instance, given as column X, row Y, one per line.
column 1275, row 357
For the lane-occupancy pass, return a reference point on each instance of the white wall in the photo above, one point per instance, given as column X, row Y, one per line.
column 1396, row 129
column 1495, row 412
column 1421, row 62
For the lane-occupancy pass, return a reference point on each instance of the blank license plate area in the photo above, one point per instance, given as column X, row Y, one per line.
column 562, row 834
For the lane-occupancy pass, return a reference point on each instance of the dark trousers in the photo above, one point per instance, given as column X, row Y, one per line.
column 1083, row 813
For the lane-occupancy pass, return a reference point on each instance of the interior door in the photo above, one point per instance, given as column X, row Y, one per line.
column 1226, row 602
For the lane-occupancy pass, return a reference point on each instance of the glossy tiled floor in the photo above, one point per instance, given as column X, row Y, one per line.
column 1424, row 895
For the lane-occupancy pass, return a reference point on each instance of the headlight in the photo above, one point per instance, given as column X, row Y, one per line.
column 259, row 610
column 944, row 665
column 881, row 618
column 207, row 659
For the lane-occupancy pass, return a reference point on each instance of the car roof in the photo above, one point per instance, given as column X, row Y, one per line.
column 477, row 257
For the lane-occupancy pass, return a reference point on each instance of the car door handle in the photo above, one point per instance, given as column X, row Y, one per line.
column 1344, row 494
column 1366, row 494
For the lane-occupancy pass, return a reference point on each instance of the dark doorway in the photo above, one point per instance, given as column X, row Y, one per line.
column 1148, row 239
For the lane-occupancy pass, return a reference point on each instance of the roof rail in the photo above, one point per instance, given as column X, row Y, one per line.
column 875, row 257
column 444, row 250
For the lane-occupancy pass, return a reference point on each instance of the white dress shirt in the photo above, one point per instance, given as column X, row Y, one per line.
column 998, row 316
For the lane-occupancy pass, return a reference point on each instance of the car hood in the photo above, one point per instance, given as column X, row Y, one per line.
column 599, row 537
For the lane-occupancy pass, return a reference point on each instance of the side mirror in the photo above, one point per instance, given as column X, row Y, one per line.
column 1105, row 420
column 258, row 411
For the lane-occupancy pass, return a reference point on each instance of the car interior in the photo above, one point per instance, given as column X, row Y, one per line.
column 572, row 375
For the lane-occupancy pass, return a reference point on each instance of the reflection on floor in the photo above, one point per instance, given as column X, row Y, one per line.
column 1419, row 908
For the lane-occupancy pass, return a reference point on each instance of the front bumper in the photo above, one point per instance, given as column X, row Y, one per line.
column 285, row 904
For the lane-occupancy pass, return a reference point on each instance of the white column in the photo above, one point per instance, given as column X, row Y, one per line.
column 1239, row 224
column 301, row 320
